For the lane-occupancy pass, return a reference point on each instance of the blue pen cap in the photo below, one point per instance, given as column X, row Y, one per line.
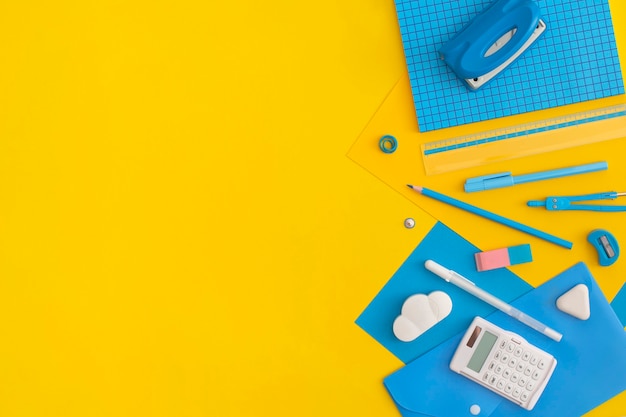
column 487, row 182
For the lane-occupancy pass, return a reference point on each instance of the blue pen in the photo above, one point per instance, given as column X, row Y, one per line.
column 505, row 179
column 492, row 216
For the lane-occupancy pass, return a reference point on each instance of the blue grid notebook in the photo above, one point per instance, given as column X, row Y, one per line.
column 575, row 60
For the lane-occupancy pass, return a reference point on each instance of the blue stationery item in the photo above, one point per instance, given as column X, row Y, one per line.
column 569, row 202
column 412, row 278
column 492, row 41
column 492, row 216
column 591, row 361
column 505, row 179
column 619, row 304
column 427, row 387
column 388, row 144
column 575, row 60
column 606, row 246
column 520, row 254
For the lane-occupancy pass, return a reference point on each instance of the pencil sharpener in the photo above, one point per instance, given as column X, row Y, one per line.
column 606, row 246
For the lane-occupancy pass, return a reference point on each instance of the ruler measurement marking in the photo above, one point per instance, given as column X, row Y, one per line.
column 524, row 129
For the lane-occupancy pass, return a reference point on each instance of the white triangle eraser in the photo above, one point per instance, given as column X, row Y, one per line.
column 575, row 302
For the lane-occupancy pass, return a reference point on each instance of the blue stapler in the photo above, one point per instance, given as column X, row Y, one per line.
column 493, row 40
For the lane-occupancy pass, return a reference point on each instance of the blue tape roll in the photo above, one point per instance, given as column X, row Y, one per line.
column 388, row 144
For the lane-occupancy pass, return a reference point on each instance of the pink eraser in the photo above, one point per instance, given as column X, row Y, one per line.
column 500, row 258
column 497, row 258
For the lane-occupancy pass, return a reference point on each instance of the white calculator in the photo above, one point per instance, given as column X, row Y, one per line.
column 504, row 362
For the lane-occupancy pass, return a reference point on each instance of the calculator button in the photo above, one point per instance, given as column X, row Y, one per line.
column 486, row 376
column 510, row 348
column 500, row 384
column 541, row 364
column 531, row 385
column 520, row 367
column 492, row 366
column 528, row 371
column 522, row 381
column 518, row 351
column 505, row 357
column 507, row 373
column 499, row 369
column 514, row 377
column 517, row 392
column 493, row 379
column 536, row 375
column 508, row 388
column 534, row 360
column 503, row 344
column 513, row 362
column 497, row 354
column 525, row 396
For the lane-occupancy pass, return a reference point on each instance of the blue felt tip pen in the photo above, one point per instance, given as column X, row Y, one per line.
column 505, row 179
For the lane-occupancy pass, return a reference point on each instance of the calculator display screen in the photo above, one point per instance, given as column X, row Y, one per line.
column 482, row 351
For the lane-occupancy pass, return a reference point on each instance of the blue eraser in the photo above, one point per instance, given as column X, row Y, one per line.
column 520, row 254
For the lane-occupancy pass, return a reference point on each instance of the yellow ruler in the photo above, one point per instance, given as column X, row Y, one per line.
column 526, row 139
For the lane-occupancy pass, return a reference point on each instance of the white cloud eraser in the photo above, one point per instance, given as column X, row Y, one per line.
column 419, row 313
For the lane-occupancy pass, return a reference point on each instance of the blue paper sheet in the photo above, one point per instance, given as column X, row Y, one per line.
column 448, row 248
column 575, row 60
column 590, row 370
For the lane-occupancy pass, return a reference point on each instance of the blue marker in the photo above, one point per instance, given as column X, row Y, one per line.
column 505, row 179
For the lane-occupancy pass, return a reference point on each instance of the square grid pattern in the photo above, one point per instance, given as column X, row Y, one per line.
column 574, row 60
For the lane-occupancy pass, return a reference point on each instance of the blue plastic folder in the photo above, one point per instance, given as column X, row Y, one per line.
column 591, row 361
column 445, row 246
column 619, row 304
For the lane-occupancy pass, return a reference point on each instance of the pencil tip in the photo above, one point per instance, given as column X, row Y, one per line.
column 410, row 186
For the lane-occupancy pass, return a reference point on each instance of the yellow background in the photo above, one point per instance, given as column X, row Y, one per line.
column 181, row 232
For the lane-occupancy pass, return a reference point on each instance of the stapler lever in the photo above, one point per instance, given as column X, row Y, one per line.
column 569, row 202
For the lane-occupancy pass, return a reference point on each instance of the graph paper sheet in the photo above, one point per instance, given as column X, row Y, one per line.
column 575, row 60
